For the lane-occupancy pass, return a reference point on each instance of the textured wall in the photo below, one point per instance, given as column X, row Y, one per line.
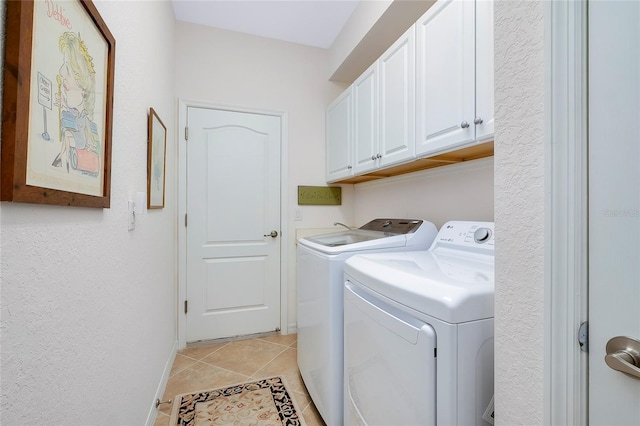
column 456, row 192
column 519, row 211
column 88, row 308
column 247, row 71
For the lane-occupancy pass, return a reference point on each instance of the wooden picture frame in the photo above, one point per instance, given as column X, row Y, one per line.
column 57, row 107
column 156, row 161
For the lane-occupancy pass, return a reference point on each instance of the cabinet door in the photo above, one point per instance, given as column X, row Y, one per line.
column 365, row 129
column 484, row 70
column 445, row 76
column 339, row 133
column 397, row 101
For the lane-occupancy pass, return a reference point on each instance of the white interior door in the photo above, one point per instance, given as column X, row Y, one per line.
column 233, row 209
column 614, row 207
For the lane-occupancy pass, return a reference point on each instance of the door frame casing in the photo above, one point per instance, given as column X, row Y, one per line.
column 566, row 221
column 183, row 104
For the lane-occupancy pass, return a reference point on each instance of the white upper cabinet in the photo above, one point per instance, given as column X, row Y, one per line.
column 454, row 77
column 339, row 142
column 384, row 108
column 430, row 93
column 365, row 122
column 484, row 70
column 397, row 69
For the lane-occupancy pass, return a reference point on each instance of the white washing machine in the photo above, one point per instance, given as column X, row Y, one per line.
column 418, row 332
column 320, row 282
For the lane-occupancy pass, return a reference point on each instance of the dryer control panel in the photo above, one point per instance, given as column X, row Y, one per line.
column 461, row 235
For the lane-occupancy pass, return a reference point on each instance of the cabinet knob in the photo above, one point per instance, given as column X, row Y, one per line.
column 349, row 167
column 477, row 120
column 378, row 156
column 464, row 124
column 373, row 157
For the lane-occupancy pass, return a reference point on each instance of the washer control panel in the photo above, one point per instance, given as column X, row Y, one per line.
column 462, row 234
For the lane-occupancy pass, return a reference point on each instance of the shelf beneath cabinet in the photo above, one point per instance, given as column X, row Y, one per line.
column 453, row 157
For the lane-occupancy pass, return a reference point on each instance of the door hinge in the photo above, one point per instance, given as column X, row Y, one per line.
column 583, row 336
column 185, row 307
column 185, row 220
column 186, row 133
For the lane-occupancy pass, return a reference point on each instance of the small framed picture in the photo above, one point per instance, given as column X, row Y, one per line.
column 156, row 154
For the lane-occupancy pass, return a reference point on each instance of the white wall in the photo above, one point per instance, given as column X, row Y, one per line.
column 456, row 192
column 89, row 308
column 229, row 68
column 361, row 21
column 520, row 208
column 369, row 31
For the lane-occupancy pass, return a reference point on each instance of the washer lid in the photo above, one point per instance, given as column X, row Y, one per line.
column 344, row 238
column 377, row 234
column 453, row 287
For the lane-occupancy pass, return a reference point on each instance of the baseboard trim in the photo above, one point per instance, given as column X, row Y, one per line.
column 153, row 410
column 292, row 328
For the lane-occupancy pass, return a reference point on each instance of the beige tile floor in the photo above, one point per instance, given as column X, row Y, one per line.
column 210, row 366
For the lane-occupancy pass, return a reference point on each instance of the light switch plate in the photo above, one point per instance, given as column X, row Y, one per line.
column 141, row 203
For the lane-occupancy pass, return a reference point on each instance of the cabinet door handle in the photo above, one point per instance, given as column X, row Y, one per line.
column 477, row 120
column 378, row 156
column 373, row 157
column 464, row 124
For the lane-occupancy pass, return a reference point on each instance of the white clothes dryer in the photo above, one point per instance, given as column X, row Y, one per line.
column 320, row 282
column 418, row 332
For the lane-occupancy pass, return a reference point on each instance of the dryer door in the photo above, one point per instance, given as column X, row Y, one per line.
column 390, row 363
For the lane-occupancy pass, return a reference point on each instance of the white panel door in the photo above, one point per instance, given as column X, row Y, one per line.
column 614, row 206
column 233, row 204
column 365, row 121
column 397, row 101
column 445, row 38
column 339, row 118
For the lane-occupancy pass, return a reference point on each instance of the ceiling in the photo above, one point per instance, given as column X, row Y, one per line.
column 309, row 22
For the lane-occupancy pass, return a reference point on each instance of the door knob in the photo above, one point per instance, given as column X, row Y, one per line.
column 464, row 124
column 272, row 234
column 477, row 120
column 623, row 354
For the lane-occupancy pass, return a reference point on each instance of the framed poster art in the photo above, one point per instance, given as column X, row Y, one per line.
column 58, row 104
column 156, row 161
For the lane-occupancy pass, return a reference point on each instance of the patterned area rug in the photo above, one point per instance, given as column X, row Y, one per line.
column 265, row 402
